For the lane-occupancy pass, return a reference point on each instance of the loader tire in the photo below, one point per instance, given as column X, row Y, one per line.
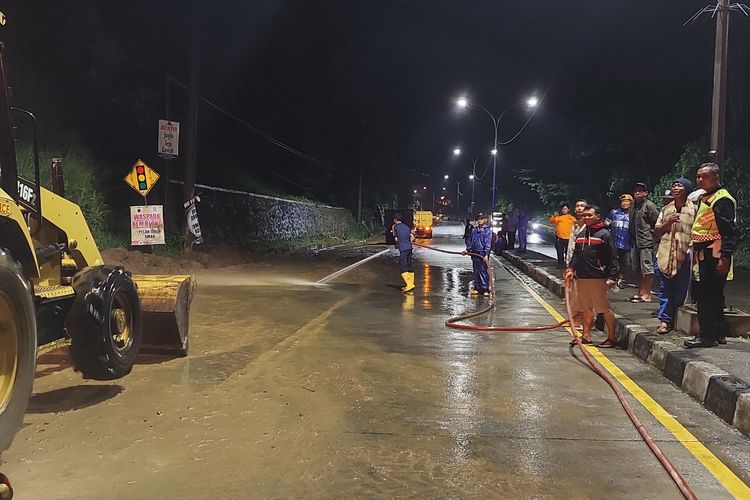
column 104, row 323
column 17, row 347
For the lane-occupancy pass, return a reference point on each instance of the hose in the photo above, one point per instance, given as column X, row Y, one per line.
column 673, row 473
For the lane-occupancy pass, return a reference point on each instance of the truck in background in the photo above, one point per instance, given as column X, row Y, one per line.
column 423, row 224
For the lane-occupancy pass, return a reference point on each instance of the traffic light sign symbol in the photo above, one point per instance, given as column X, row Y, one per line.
column 140, row 172
column 141, row 178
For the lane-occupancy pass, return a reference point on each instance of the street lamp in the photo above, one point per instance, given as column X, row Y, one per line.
column 446, row 177
column 457, row 151
column 464, row 103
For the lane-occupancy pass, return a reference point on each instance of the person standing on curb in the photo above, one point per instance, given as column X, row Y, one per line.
column 643, row 217
column 511, row 228
column 523, row 227
column 593, row 267
column 403, row 236
column 714, row 237
column 618, row 222
column 563, row 223
column 480, row 243
column 673, row 229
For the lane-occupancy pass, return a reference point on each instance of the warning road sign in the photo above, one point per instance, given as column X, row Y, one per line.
column 141, row 178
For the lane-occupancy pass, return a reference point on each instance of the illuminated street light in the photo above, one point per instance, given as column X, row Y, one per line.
column 443, row 188
column 424, row 187
column 445, row 177
column 463, row 103
column 415, row 191
column 471, row 177
column 457, row 151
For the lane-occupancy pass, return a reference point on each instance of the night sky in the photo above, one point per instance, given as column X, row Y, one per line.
column 370, row 85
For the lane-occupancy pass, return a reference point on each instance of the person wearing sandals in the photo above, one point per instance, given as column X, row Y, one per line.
column 618, row 222
column 673, row 229
column 643, row 217
column 594, row 268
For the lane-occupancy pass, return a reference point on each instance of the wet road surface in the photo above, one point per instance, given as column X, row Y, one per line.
column 354, row 390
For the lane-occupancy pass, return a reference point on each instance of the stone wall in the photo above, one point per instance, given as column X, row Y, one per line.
column 240, row 218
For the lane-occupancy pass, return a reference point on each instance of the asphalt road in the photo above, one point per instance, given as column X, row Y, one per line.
column 354, row 390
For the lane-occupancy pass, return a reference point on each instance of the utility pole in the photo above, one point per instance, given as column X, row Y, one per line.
column 718, row 113
column 191, row 147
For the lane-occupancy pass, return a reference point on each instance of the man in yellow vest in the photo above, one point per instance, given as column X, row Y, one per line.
column 714, row 237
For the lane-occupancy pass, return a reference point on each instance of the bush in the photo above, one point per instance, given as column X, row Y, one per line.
column 80, row 187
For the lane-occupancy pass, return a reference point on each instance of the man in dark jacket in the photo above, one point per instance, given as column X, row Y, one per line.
column 480, row 243
column 714, row 237
column 594, row 267
column 643, row 215
column 403, row 236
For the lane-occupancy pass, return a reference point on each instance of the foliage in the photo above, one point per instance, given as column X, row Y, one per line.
column 735, row 176
column 81, row 186
column 357, row 232
column 551, row 194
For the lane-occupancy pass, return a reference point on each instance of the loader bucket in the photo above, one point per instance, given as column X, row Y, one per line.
column 165, row 304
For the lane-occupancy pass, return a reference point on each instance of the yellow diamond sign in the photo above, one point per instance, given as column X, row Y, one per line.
column 141, row 178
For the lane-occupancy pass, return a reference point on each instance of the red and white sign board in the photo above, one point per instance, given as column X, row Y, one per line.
column 169, row 139
column 147, row 225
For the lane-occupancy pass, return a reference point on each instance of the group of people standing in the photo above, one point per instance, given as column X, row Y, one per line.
column 689, row 241
column 517, row 221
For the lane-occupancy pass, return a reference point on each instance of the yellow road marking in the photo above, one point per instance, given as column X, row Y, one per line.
column 728, row 479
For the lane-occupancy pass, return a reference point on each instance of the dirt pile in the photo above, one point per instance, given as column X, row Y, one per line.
column 139, row 262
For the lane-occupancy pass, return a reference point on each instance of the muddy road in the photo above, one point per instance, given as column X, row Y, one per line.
column 353, row 390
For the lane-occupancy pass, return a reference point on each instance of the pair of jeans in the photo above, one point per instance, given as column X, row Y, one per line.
column 709, row 297
column 673, row 292
column 481, row 276
column 561, row 246
column 405, row 261
column 522, row 240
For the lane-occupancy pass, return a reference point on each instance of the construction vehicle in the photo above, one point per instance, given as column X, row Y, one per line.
column 423, row 224
column 54, row 285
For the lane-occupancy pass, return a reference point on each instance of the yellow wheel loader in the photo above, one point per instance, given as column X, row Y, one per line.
column 54, row 285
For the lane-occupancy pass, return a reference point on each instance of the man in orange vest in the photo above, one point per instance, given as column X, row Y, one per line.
column 714, row 237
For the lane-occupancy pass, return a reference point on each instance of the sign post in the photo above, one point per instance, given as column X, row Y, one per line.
column 169, row 139
column 147, row 225
column 146, row 221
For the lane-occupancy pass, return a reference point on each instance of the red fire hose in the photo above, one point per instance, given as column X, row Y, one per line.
column 674, row 474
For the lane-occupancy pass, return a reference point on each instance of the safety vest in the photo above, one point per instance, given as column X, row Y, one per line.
column 704, row 227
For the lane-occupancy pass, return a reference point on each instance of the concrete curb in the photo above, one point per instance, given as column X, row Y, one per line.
column 721, row 393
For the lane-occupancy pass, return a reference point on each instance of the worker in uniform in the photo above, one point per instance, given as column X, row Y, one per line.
column 480, row 243
column 404, row 237
column 714, row 237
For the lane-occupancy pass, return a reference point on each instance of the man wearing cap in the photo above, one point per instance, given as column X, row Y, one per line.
column 480, row 243
column 714, row 237
column 618, row 222
column 673, row 230
column 643, row 217
column 403, row 236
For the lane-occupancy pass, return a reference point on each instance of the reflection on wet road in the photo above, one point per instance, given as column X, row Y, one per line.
column 349, row 389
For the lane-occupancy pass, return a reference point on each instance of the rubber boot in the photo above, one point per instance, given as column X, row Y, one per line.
column 405, row 277
column 409, row 278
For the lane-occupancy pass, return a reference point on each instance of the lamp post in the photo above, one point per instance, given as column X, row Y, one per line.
column 471, row 178
column 463, row 103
